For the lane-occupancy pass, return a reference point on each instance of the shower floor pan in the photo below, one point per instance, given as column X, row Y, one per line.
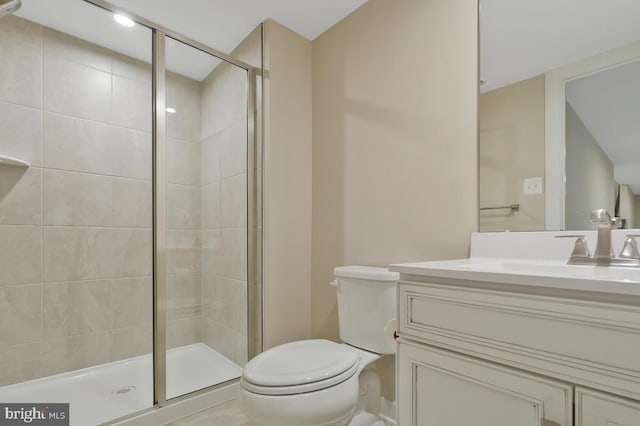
column 108, row 391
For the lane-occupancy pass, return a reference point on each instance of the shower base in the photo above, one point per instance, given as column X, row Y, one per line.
column 109, row 391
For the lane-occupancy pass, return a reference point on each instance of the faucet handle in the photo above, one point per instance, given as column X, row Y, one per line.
column 630, row 248
column 580, row 249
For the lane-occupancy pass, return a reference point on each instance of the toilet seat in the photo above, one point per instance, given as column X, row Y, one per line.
column 299, row 367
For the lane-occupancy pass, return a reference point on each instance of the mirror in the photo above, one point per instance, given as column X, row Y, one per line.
column 559, row 108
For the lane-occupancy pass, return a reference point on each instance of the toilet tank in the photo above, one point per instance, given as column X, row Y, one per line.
column 366, row 306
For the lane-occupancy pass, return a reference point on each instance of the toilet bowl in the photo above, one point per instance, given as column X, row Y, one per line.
column 317, row 382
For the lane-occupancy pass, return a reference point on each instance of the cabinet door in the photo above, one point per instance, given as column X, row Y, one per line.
column 598, row 409
column 441, row 388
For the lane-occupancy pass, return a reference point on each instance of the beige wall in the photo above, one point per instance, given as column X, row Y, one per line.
column 636, row 211
column 589, row 175
column 394, row 142
column 512, row 149
column 287, row 186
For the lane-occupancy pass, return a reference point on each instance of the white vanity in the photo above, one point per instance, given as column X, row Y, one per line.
column 513, row 336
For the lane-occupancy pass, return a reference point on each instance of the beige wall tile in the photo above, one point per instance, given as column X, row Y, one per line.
column 20, row 196
column 233, row 149
column 230, row 307
column 21, row 59
column 183, row 206
column 210, row 166
column 78, row 90
column 229, row 83
column 76, row 308
column 183, row 162
column 75, row 352
column 206, row 106
column 132, row 203
column 21, row 260
column 234, row 254
column 185, row 287
column 131, row 253
column 183, row 94
column 131, row 153
column 183, row 251
column 74, row 253
column 211, row 252
column 20, row 363
column 131, row 68
column 131, row 106
column 20, row 314
column 129, row 342
column 77, row 199
column 131, row 299
column 183, row 331
column 210, row 206
column 233, row 202
column 64, row 46
column 225, row 341
column 76, row 144
column 21, row 132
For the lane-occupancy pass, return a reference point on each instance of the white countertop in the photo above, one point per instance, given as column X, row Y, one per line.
column 498, row 258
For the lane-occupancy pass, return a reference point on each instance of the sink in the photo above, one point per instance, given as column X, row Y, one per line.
column 542, row 263
column 551, row 269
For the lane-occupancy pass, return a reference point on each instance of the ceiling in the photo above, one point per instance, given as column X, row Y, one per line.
column 520, row 39
column 220, row 24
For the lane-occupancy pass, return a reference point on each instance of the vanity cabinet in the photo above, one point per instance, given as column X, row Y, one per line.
column 598, row 409
column 446, row 388
column 484, row 354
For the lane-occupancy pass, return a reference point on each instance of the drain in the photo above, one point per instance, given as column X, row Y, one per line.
column 123, row 390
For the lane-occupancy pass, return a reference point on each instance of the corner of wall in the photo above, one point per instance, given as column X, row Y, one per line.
column 287, row 185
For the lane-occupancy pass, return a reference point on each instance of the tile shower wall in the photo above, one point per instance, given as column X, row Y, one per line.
column 224, row 212
column 75, row 228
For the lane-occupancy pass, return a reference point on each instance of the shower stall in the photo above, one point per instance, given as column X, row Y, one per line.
column 129, row 210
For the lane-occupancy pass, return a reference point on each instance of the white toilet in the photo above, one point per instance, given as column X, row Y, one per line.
column 318, row 382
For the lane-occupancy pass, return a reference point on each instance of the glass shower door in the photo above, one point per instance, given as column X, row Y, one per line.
column 206, row 210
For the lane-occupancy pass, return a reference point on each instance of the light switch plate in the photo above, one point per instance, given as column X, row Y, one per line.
column 533, row 186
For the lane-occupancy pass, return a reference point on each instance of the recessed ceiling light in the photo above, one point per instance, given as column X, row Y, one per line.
column 123, row 20
column 170, row 110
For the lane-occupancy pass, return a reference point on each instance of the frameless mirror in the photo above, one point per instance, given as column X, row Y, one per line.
column 560, row 90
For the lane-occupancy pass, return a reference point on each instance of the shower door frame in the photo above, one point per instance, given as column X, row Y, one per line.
column 159, row 158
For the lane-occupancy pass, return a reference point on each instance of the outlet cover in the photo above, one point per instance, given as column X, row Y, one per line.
column 533, row 186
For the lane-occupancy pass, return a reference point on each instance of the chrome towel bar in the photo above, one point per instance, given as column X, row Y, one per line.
column 512, row 207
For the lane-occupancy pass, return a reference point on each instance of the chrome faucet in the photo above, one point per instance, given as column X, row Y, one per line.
column 603, row 246
column 603, row 255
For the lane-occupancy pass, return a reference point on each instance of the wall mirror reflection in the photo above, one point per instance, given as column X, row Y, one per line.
column 560, row 97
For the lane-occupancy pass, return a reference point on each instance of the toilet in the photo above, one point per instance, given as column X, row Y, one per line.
column 319, row 382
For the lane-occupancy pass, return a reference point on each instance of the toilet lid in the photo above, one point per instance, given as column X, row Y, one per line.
column 300, row 364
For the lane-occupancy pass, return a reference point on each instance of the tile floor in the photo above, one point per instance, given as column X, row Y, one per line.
column 227, row 414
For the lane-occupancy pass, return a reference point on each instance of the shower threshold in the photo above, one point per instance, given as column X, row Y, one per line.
column 109, row 391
